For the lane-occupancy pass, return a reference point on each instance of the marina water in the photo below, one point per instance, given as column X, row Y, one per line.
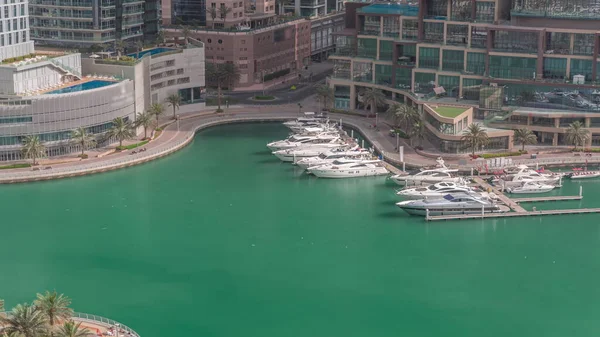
column 222, row 239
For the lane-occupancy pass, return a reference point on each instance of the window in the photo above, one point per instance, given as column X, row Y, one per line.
column 429, row 58
column 453, row 60
column 555, row 68
column 241, row 4
column 243, row 66
column 6, row 13
column 209, row 41
column 235, row 16
column 476, row 63
column 243, row 41
column 235, row 5
column 220, row 41
column 243, row 58
column 213, row 5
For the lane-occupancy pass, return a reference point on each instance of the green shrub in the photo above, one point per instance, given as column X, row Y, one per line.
column 83, row 156
column 501, row 154
column 264, row 98
column 219, row 110
column 401, row 133
column 158, row 129
column 293, row 87
column 591, row 149
column 13, row 166
column 132, row 146
column 276, row 74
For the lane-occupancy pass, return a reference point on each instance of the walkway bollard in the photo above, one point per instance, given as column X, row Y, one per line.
column 403, row 167
column 427, row 214
column 482, row 210
column 363, row 144
column 471, row 173
column 352, row 133
column 581, row 191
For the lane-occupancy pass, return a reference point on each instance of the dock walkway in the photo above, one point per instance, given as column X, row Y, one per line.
column 506, row 200
column 512, row 214
column 554, row 198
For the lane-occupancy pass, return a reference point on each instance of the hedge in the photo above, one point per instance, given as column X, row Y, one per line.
column 13, row 166
column 502, row 154
column 595, row 150
column 276, row 74
column 132, row 146
column 264, row 98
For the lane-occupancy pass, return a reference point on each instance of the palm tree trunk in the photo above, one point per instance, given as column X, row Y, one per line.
column 157, row 121
column 33, row 164
column 219, row 95
column 120, row 142
column 145, row 132
column 173, row 111
column 523, row 148
column 82, row 147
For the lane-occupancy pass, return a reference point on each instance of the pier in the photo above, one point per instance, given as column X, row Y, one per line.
column 517, row 210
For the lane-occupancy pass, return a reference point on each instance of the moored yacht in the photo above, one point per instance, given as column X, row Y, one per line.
column 329, row 156
column 431, row 176
column 450, row 204
column 437, row 190
column 299, row 140
column 311, row 150
column 309, row 119
column 362, row 168
column 531, row 187
column 525, row 174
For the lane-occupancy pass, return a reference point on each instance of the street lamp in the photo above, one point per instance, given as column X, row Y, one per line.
column 376, row 114
column 299, row 108
column 263, row 80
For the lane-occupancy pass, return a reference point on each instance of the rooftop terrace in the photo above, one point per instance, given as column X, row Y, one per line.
column 449, row 111
column 391, row 8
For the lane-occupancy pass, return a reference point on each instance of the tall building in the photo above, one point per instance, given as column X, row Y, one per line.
column 517, row 63
column 264, row 54
column 91, row 22
column 14, row 30
column 185, row 12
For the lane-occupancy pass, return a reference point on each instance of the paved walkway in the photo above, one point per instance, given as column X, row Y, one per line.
column 176, row 135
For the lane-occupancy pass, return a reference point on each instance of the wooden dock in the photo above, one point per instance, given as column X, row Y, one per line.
column 393, row 168
column 512, row 214
column 541, row 199
column 506, row 200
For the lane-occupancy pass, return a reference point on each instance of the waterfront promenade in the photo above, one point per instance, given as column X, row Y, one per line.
column 177, row 134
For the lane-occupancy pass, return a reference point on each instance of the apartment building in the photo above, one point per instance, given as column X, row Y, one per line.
column 517, row 63
column 82, row 23
column 262, row 54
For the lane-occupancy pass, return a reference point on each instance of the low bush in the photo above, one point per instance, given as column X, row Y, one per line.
column 500, row 154
column 219, row 110
column 14, row 166
column 293, row 87
column 264, row 98
column 158, row 129
column 83, row 156
column 591, row 149
column 132, row 146
column 401, row 133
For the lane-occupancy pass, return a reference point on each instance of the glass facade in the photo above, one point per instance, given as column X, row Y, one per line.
column 581, row 67
column 453, row 60
column 367, row 48
column 478, row 37
column 386, row 50
column 383, row 74
column 476, row 63
column 433, row 32
column 429, row 58
column 451, row 84
column 460, row 10
column 404, row 78
column 558, row 43
column 342, row 69
column 391, row 26
column 457, row 35
column 583, row 44
column 485, row 11
column 515, row 42
column 512, row 67
column 363, row 72
column 410, row 29
column 345, row 45
column 555, row 68
column 424, row 82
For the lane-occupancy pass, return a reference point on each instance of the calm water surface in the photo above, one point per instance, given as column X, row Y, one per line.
column 221, row 239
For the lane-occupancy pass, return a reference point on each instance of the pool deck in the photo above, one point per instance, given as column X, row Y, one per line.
column 70, row 84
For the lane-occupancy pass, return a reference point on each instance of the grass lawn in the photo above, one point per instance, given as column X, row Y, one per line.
column 448, row 111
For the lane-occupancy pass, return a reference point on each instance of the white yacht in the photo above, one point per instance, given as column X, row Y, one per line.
column 362, row 168
column 584, row 174
column 425, row 177
column 450, row 204
column 525, row 174
column 329, row 156
column 299, row 140
column 309, row 118
column 311, row 150
column 531, row 187
column 435, row 190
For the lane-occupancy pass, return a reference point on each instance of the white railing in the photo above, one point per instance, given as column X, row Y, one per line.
column 131, row 159
column 106, row 321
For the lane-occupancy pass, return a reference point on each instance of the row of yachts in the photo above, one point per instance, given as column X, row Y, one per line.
column 319, row 148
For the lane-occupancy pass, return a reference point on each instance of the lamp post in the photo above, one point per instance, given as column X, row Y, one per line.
column 376, row 114
column 299, row 108
column 263, row 80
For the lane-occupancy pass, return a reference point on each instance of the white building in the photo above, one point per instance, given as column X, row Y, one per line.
column 14, row 29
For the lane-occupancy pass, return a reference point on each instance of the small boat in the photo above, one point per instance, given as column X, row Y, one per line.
column 437, row 190
column 450, row 204
column 531, row 187
column 362, row 168
column 298, row 140
column 329, row 156
column 313, row 150
column 426, row 177
column 584, row 174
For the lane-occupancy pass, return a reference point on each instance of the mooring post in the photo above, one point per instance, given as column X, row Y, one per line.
column 403, row 167
column 471, row 173
column 581, row 191
column 363, row 144
column 482, row 210
column 537, row 165
column 427, row 214
column 352, row 133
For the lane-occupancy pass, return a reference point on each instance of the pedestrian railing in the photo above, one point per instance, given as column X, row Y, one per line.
column 107, row 321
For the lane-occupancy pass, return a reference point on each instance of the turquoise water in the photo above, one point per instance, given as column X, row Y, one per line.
column 81, row 87
column 222, row 239
column 152, row 51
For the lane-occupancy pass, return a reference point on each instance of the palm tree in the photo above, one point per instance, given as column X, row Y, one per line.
column 121, row 130
column 139, row 46
column 374, row 98
column 72, row 329
column 213, row 15
column 119, row 47
column 324, row 94
column 474, row 135
column 25, row 320
column 81, row 137
column 33, row 148
column 577, row 134
column 223, row 11
column 54, row 306
column 160, row 37
column 174, row 101
column 144, row 120
column 222, row 73
column 404, row 115
column 157, row 109
column 417, row 131
column 185, row 31
column 525, row 137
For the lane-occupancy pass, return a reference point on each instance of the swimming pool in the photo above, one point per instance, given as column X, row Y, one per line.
column 81, row 87
column 152, row 51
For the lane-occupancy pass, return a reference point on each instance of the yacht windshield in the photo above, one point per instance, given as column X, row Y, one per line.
column 322, row 156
